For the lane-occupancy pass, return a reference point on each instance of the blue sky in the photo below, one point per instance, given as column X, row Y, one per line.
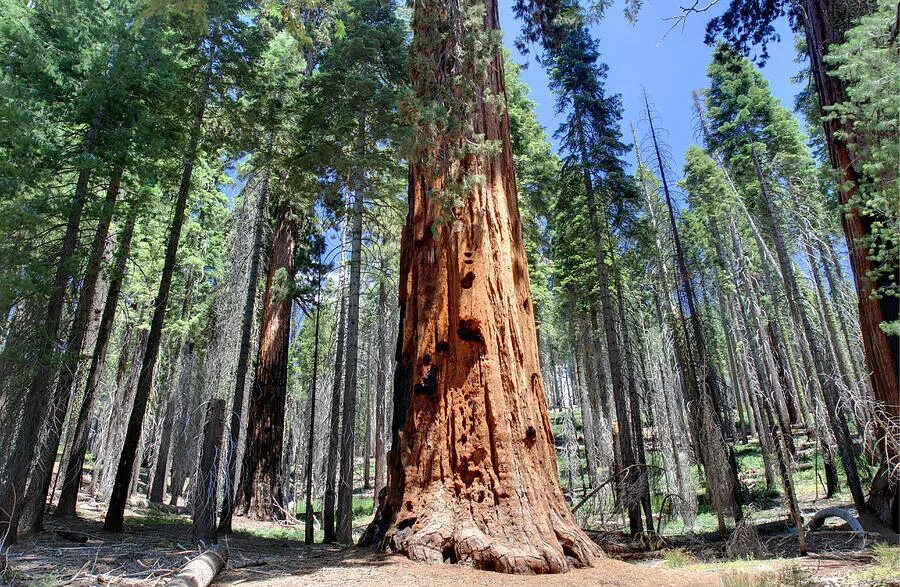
column 668, row 66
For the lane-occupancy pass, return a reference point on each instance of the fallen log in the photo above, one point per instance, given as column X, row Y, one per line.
column 820, row 517
column 202, row 570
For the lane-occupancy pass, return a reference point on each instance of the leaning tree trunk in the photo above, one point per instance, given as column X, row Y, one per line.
column 260, row 488
column 815, row 361
column 68, row 496
column 472, row 470
column 115, row 514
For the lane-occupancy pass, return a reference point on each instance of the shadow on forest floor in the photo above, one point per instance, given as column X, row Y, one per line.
column 156, row 544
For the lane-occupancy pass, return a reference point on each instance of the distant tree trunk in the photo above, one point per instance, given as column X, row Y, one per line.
column 348, row 422
column 158, row 484
column 310, row 449
column 718, row 458
column 116, row 512
column 68, row 497
column 587, row 415
column 380, row 382
column 260, row 484
column 117, row 416
column 39, row 486
column 602, row 245
column 882, row 352
column 243, row 363
column 817, row 363
column 334, row 428
column 182, row 462
column 367, row 435
column 634, row 402
column 18, row 464
column 473, row 475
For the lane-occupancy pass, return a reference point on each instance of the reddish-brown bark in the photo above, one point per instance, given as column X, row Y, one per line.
column 882, row 352
column 260, row 488
column 472, row 474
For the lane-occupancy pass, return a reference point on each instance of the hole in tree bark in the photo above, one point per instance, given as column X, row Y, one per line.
column 429, row 383
column 525, row 305
column 408, row 505
column 426, row 360
column 449, row 554
column 468, row 261
column 467, row 280
column 443, row 347
column 530, row 436
column 469, row 330
column 404, row 524
column 468, row 253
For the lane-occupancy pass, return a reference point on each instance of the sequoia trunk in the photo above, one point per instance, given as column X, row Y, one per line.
column 260, row 487
column 472, row 470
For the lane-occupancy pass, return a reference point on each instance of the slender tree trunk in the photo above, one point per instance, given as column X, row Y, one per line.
column 72, row 481
column 380, row 382
column 473, row 475
column 189, row 408
column 348, row 422
column 41, row 475
column 243, row 363
column 367, row 434
column 37, row 397
column 334, row 428
column 158, row 485
column 835, row 414
column 205, row 494
column 261, row 494
column 630, row 476
column 116, row 512
column 718, row 457
column 587, row 414
column 310, row 514
column 634, row 402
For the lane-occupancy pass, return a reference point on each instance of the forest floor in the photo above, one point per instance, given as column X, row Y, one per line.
column 156, row 544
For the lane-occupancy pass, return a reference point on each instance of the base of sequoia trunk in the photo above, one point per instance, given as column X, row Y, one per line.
column 444, row 536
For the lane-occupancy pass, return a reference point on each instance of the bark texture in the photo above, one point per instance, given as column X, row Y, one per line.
column 472, row 474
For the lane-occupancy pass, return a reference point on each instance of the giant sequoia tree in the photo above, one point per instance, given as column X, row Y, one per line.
column 472, row 469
